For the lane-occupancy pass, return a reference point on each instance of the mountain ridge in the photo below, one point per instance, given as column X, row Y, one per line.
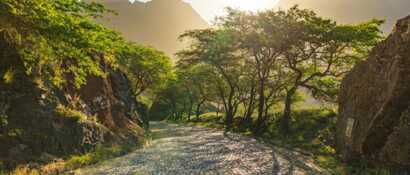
column 359, row 11
column 145, row 22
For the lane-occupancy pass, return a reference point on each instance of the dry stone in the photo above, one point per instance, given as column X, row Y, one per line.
column 374, row 104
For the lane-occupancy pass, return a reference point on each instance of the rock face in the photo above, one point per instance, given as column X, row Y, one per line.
column 374, row 104
column 37, row 119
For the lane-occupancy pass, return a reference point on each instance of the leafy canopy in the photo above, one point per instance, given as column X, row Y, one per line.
column 55, row 37
column 145, row 67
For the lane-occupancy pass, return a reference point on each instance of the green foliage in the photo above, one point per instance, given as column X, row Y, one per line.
column 55, row 37
column 312, row 129
column 74, row 114
column 80, row 161
column 3, row 121
column 3, row 116
column 258, row 59
column 321, row 51
column 57, row 43
column 145, row 67
column 100, row 153
column 8, row 77
column 191, row 90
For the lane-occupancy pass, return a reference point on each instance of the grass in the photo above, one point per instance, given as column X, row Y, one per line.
column 70, row 113
column 24, row 170
column 8, row 77
column 99, row 154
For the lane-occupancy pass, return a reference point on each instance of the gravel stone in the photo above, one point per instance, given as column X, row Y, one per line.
column 193, row 150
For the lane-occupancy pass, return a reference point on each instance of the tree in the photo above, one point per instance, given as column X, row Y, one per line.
column 217, row 49
column 261, row 58
column 199, row 80
column 262, row 43
column 56, row 38
column 145, row 67
column 321, row 52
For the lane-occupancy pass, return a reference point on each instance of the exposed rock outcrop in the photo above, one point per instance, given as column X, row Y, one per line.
column 374, row 104
column 37, row 118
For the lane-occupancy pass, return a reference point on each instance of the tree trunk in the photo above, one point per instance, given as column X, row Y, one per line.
column 259, row 122
column 229, row 119
column 198, row 109
column 250, row 107
column 285, row 122
column 190, row 112
column 181, row 115
column 230, row 109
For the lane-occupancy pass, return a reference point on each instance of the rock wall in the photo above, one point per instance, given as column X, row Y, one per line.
column 41, row 119
column 110, row 99
column 374, row 104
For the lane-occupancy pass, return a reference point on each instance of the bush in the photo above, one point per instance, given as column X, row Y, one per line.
column 99, row 154
column 80, row 161
column 3, row 120
column 311, row 129
column 71, row 113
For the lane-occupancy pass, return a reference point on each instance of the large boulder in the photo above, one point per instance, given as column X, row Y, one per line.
column 374, row 104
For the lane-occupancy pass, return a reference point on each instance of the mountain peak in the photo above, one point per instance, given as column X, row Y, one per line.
column 157, row 23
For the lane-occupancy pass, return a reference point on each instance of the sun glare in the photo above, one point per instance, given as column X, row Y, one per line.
column 209, row 9
column 250, row 5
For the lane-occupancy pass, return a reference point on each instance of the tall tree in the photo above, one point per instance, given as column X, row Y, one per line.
column 145, row 67
column 321, row 52
column 262, row 42
column 216, row 48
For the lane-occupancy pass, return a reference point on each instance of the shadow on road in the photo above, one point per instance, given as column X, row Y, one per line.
column 190, row 150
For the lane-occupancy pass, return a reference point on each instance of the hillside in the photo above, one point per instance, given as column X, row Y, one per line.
column 353, row 11
column 61, row 91
column 146, row 22
column 80, row 97
column 157, row 23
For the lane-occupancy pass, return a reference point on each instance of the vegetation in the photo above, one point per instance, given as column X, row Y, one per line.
column 247, row 74
column 251, row 63
column 99, row 154
column 146, row 67
column 55, row 38
column 57, row 44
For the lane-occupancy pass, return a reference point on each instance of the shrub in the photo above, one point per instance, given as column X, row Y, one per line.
column 3, row 120
column 71, row 113
column 80, row 161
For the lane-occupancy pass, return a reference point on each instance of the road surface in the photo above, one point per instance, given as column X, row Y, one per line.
column 179, row 149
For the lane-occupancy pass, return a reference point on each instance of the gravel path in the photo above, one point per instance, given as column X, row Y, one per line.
column 191, row 150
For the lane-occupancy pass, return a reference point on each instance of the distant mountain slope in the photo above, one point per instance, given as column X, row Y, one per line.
column 157, row 23
column 353, row 11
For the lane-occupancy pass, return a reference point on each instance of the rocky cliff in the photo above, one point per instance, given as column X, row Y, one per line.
column 36, row 118
column 374, row 104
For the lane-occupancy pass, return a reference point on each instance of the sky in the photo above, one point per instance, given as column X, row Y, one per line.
column 209, row 9
column 343, row 11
